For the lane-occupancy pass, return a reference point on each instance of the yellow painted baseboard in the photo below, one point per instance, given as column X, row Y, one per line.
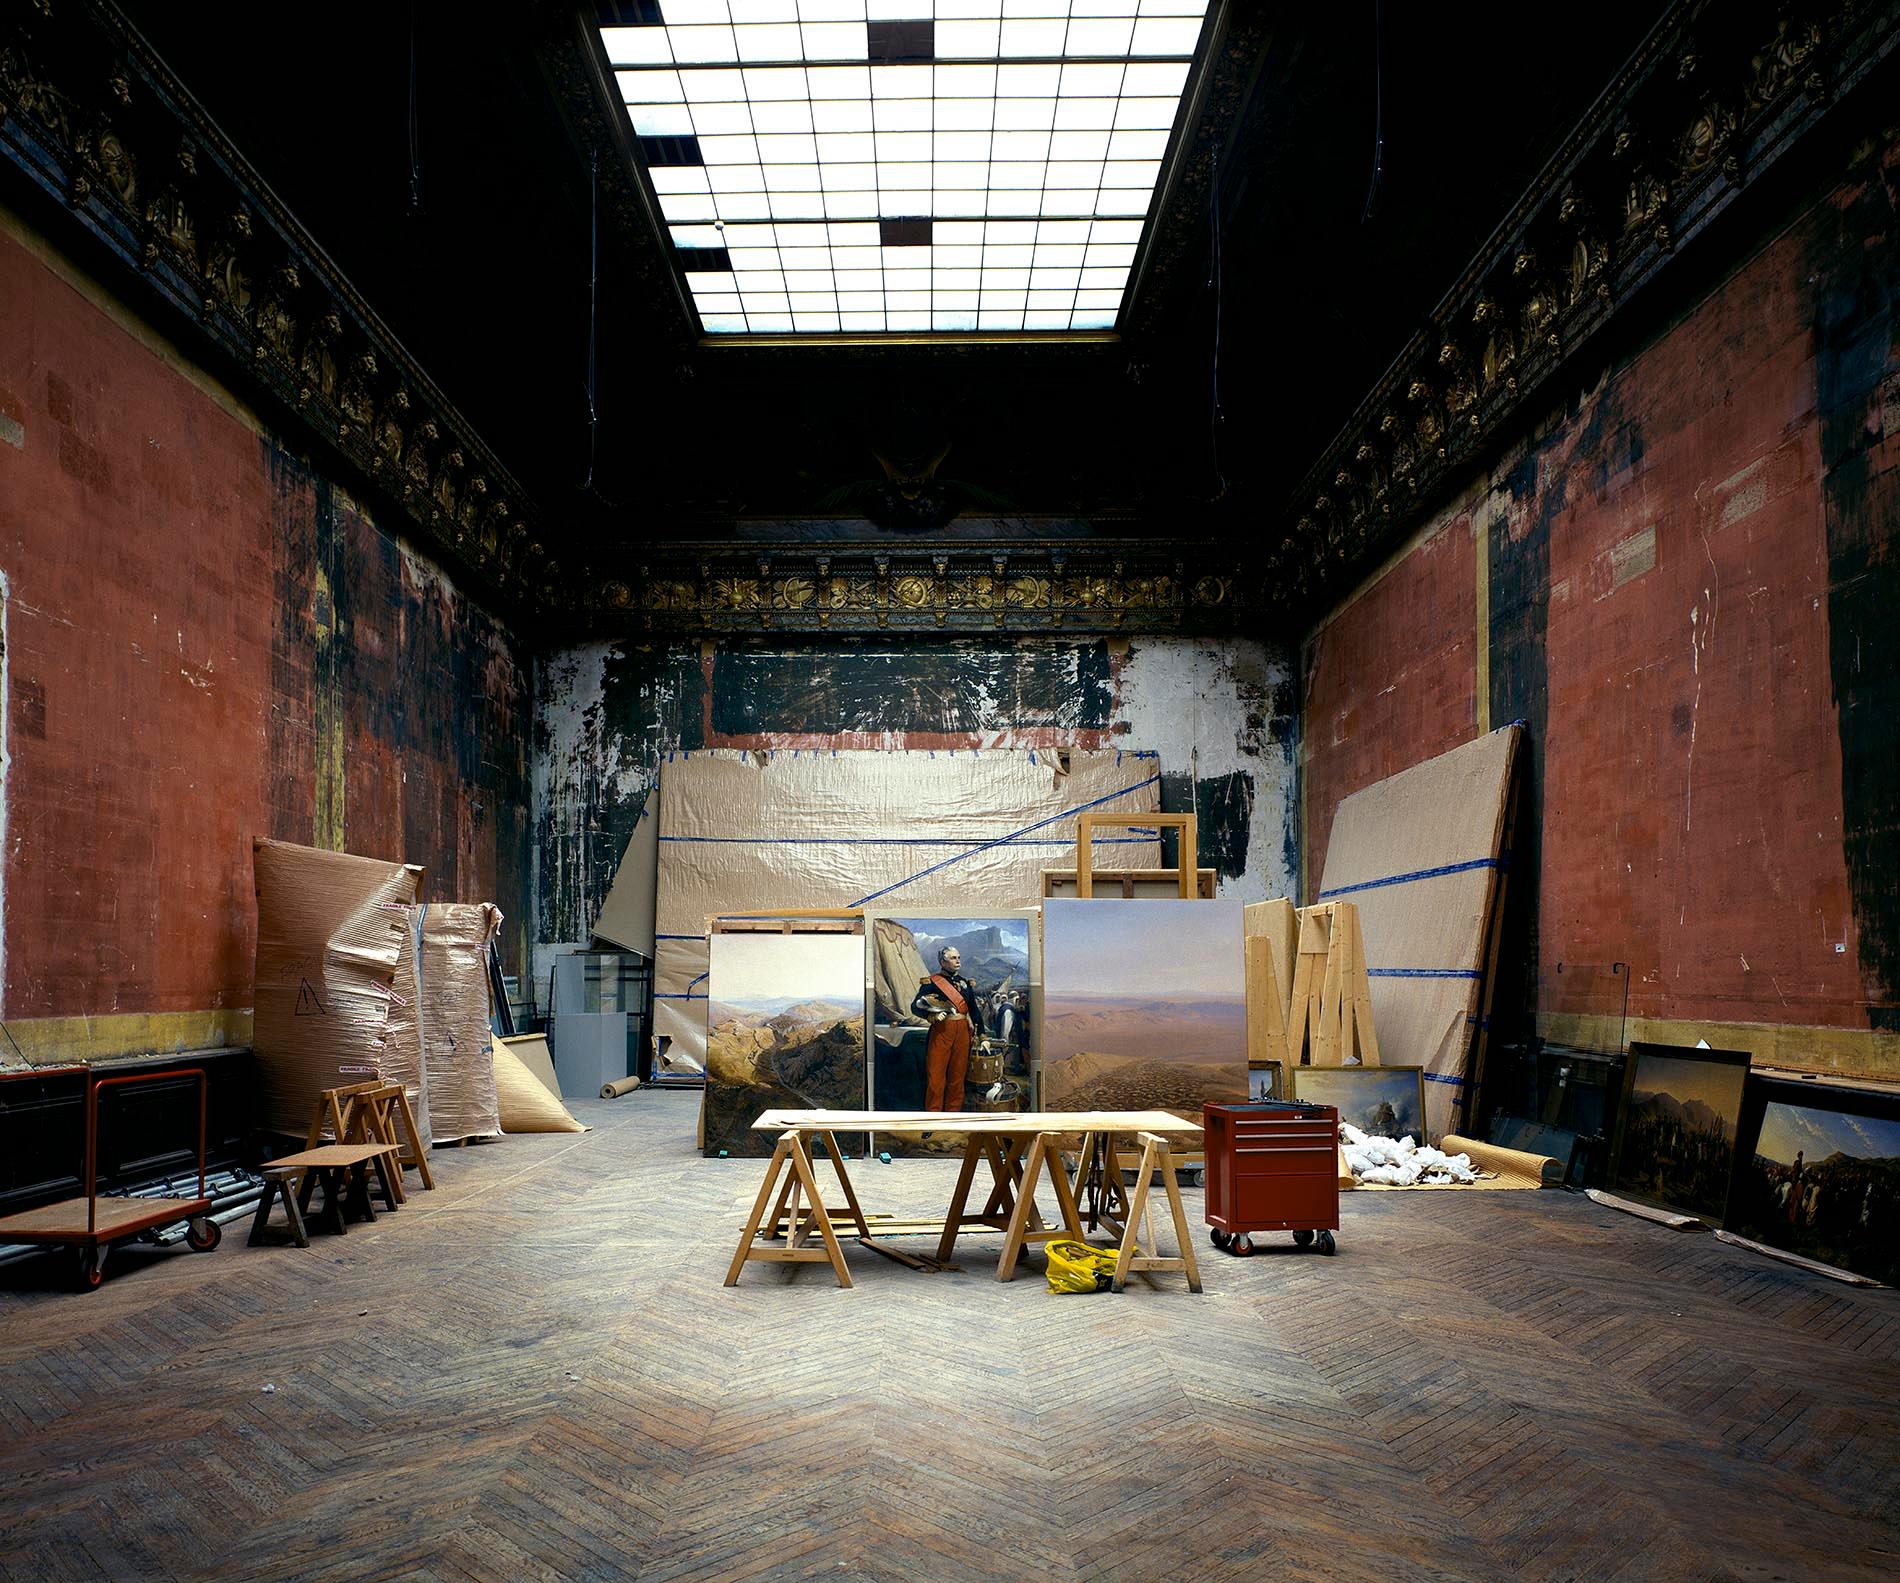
column 1839, row 1052
column 55, row 1041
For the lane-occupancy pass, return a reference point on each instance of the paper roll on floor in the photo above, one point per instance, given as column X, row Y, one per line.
column 619, row 1086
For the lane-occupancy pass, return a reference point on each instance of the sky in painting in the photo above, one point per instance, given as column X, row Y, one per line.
column 1717, row 1084
column 1816, row 1134
column 751, row 967
column 1152, row 948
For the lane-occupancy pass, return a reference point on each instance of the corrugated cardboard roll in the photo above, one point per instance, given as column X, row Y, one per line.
column 1541, row 1169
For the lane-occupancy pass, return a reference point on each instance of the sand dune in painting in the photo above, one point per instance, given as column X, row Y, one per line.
column 1104, row 1052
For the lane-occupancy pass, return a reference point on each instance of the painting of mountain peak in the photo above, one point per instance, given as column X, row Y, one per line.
column 1679, row 1126
column 1143, row 1005
column 784, row 1027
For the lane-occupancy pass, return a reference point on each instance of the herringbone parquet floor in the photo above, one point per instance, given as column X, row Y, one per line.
column 535, row 1374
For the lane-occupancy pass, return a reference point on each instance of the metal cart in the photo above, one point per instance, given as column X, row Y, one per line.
column 1272, row 1166
column 93, row 1224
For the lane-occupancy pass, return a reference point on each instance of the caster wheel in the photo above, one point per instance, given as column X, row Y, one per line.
column 1242, row 1247
column 1220, row 1239
column 1302, row 1239
column 203, row 1234
column 92, row 1267
column 1326, row 1243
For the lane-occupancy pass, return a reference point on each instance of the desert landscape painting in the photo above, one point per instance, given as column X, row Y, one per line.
column 1679, row 1127
column 1142, row 1005
column 784, row 1027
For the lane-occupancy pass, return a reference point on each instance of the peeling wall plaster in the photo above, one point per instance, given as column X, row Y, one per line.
column 1218, row 712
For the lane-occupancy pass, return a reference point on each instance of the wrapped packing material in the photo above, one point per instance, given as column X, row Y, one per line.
column 747, row 832
column 402, row 1041
column 455, row 1031
column 329, row 940
column 1419, row 854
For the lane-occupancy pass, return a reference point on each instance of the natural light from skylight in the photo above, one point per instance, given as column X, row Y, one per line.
column 892, row 166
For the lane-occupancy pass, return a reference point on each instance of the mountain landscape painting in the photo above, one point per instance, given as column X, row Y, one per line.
column 1825, row 1183
column 1142, row 1005
column 1679, row 1127
column 784, row 1027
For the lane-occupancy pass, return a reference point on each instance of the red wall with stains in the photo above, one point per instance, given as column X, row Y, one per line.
column 162, row 665
column 1666, row 611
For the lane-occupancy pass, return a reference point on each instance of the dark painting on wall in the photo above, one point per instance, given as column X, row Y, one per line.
column 1680, row 1119
column 1265, row 1081
column 1818, row 1173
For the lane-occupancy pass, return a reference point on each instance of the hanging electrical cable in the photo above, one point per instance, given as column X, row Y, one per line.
column 415, row 124
column 1378, row 112
column 593, row 300
column 1214, row 416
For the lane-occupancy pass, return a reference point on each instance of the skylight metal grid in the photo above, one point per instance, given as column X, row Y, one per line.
column 880, row 166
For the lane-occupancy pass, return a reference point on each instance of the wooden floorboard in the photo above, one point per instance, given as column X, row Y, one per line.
column 535, row 1373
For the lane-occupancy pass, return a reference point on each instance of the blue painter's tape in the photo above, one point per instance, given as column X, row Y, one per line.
column 1441, row 1077
column 1423, row 972
column 668, row 995
column 897, row 840
column 1413, row 876
column 1007, row 840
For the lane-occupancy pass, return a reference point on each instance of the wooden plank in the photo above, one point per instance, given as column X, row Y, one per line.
column 997, row 1123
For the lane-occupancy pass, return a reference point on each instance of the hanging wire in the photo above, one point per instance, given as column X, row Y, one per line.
column 1378, row 113
column 1214, row 415
column 593, row 301
column 415, row 124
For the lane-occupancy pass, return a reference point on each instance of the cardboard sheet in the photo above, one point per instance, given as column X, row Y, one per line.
column 329, row 938
column 531, row 1050
column 522, row 1103
column 455, row 1030
column 1419, row 854
column 748, row 832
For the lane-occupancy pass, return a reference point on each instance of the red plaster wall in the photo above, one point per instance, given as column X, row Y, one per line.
column 1390, row 680
column 161, row 671
column 1691, row 792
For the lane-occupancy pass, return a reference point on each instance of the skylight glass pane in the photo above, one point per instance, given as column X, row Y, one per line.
column 894, row 166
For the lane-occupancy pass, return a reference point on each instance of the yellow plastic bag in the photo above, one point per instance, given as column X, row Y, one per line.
column 1080, row 1267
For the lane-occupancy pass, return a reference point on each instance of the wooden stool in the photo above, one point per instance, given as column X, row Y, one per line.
column 343, row 1169
column 279, row 1182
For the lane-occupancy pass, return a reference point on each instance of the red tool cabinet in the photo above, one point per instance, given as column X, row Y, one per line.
column 1272, row 1166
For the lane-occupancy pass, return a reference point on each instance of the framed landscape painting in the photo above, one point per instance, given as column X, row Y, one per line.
column 1681, row 1111
column 1381, row 1101
column 1143, row 1005
column 784, row 1029
column 1265, row 1081
column 1817, row 1173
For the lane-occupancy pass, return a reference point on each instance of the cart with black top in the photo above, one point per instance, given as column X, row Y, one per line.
column 1272, row 1166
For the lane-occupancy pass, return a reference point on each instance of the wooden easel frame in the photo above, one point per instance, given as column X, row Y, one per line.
column 1186, row 824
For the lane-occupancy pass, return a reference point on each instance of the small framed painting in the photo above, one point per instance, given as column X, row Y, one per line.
column 1381, row 1101
column 1265, row 1080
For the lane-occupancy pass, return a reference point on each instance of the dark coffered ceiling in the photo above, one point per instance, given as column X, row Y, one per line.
column 411, row 223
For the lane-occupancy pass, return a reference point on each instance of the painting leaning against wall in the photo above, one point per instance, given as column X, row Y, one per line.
column 785, row 1028
column 1142, row 1005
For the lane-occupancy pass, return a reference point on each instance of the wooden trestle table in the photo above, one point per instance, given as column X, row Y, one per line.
column 1018, row 1148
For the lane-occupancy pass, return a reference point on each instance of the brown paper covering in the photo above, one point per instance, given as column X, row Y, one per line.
column 747, row 832
column 1443, row 813
column 455, row 1030
column 329, row 940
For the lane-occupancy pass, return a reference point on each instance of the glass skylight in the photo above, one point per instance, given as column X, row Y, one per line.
column 873, row 166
